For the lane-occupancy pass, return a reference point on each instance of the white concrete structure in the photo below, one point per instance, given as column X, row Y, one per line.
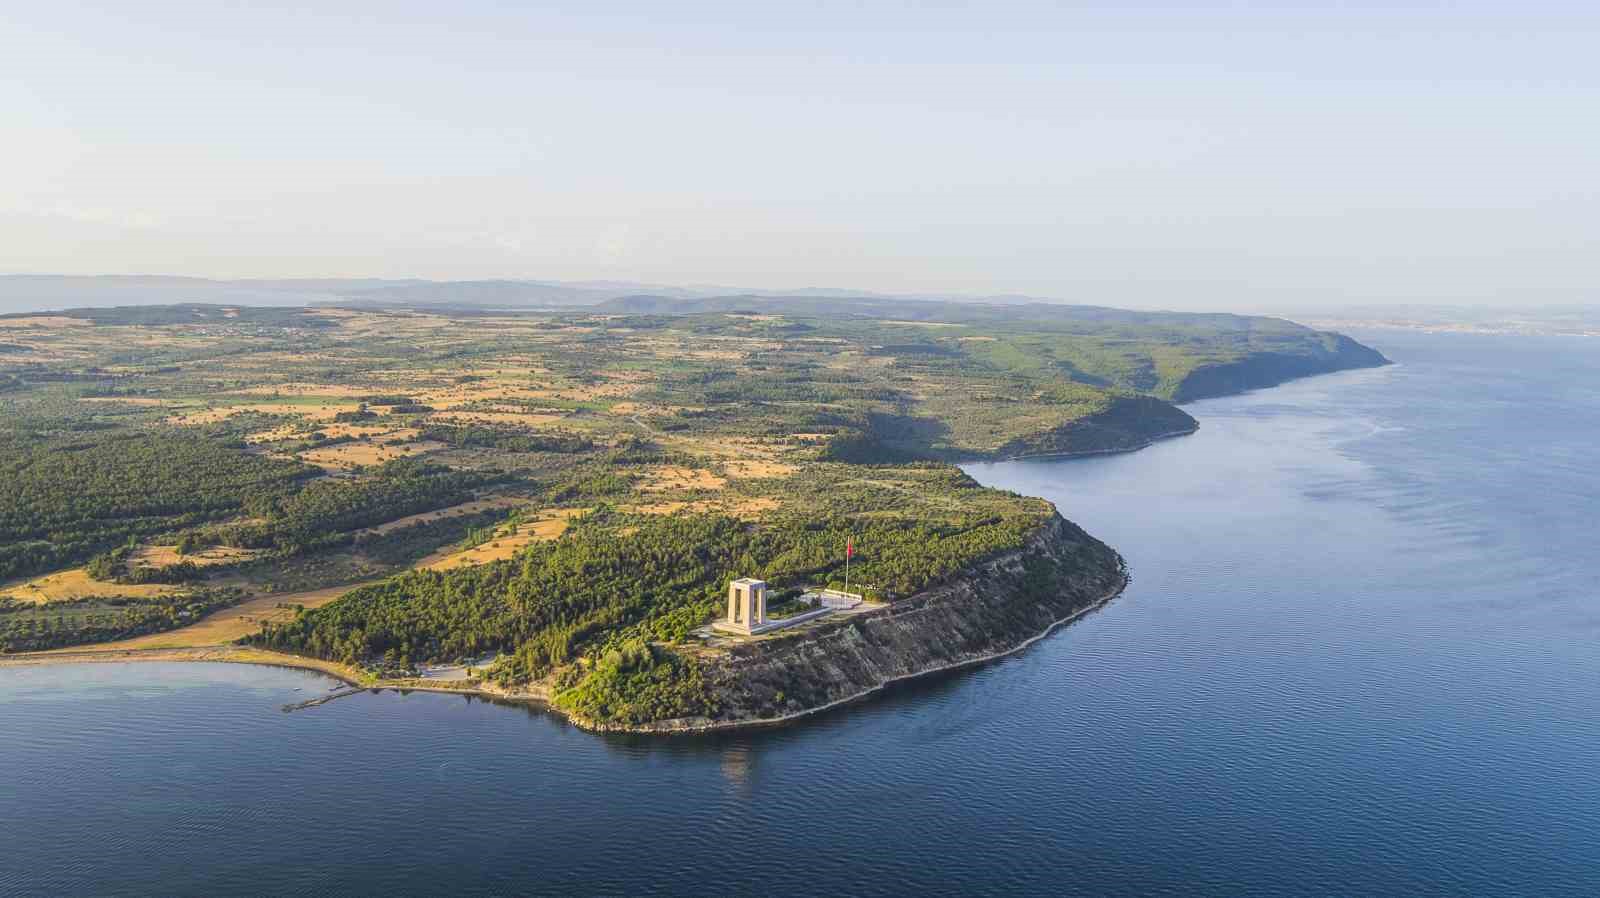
column 747, row 604
column 833, row 598
column 747, row 608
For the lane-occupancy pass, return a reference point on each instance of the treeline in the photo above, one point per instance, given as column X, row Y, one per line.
column 67, row 498
column 507, row 439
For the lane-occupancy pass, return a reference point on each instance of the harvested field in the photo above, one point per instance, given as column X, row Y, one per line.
column 77, row 584
column 520, row 419
column 211, row 556
column 677, row 477
column 549, row 526
column 752, row 468
column 346, row 456
column 750, row 508
column 286, row 432
column 43, row 321
column 226, row 624
column 453, row 511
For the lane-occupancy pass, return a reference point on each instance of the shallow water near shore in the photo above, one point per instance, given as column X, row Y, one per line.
column 1359, row 655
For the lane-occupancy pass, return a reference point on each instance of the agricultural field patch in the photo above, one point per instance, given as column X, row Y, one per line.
column 76, row 583
column 505, row 541
column 209, row 556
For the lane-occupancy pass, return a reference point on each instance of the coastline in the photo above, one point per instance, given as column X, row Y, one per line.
column 538, row 694
column 1090, row 453
column 228, row 653
column 235, row 654
column 222, row 652
column 663, row 729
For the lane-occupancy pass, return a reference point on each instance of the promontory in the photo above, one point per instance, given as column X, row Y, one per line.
column 560, row 504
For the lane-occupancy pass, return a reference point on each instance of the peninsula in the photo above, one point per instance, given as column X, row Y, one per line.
column 550, row 504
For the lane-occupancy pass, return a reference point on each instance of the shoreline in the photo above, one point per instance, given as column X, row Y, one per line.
column 1090, row 453
column 764, row 722
column 235, row 654
column 540, row 696
column 223, row 653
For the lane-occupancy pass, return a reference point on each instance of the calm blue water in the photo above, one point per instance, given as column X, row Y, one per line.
column 1359, row 655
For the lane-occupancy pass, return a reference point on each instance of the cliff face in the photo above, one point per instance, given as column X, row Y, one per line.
column 992, row 608
column 1268, row 369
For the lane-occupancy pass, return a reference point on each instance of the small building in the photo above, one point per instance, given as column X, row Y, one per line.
column 836, row 599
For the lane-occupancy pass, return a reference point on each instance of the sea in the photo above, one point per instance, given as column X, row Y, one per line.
column 1360, row 655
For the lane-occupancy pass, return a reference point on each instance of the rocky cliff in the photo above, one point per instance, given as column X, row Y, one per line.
column 993, row 607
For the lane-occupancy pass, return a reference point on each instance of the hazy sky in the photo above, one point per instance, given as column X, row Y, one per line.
column 1180, row 155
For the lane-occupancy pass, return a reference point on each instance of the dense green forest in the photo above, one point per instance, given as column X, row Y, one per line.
column 615, row 582
column 68, row 497
column 331, row 508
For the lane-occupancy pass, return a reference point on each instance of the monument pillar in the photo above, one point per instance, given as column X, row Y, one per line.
column 747, row 603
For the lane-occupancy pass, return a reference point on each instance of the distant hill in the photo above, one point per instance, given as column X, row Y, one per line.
column 44, row 292
column 1181, row 356
column 47, row 292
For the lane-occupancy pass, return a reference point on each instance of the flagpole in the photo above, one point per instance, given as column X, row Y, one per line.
column 848, row 551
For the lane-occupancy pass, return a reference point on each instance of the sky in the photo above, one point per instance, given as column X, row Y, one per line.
column 1183, row 155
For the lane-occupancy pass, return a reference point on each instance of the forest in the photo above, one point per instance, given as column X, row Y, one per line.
column 69, row 497
column 615, row 581
column 329, row 509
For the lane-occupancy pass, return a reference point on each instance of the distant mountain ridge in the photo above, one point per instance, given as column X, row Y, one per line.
column 43, row 292
column 1243, row 351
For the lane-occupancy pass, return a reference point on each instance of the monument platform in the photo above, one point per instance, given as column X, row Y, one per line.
column 770, row 624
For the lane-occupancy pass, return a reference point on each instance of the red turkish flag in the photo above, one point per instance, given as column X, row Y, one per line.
column 849, row 547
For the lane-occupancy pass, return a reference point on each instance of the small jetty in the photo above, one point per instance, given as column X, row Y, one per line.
column 323, row 699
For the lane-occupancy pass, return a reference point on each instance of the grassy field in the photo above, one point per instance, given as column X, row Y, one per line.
column 77, row 584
